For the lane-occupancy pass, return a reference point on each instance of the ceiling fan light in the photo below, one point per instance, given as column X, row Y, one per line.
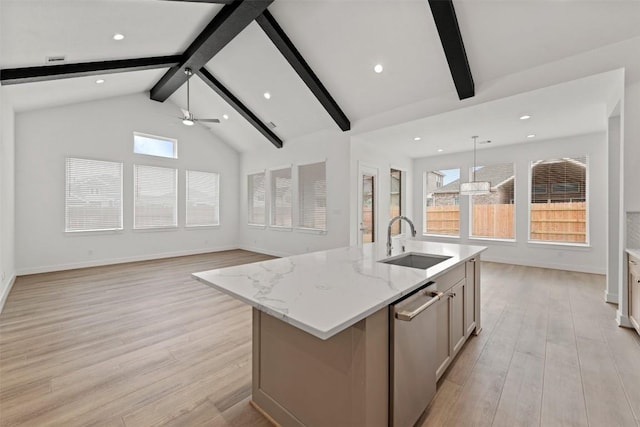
column 187, row 122
column 475, row 188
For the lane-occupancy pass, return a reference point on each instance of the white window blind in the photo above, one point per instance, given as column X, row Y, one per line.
column 256, row 194
column 93, row 195
column 155, row 197
column 492, row 215
column 312, row 196
column 558, row 208
column 203, row 199
column 281, row 207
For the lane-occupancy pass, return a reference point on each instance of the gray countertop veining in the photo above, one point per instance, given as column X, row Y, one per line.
column 325, row 292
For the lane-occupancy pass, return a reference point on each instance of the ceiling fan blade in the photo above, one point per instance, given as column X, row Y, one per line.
column 208, row 120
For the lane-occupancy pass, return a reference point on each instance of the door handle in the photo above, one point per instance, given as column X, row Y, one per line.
column 407, row 316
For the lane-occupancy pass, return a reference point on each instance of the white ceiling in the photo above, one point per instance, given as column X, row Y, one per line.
column 340, row 39
column 572, row 108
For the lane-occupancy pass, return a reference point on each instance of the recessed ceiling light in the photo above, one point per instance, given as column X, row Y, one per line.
column 225, row 116
column 118, row 36
column 378, row 68
column 267, row 95
column 440, row 150
column 531, row 135
column 417, row 138
column 525, row 117
column 99, row 81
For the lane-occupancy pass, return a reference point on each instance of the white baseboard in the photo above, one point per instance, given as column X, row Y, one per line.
column 6, row 288
column 611, row 298
column 264, row 251
column 554, row 266
column 623, row 320
column 110, row 261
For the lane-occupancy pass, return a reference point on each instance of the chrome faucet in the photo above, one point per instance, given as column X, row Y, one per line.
column 398, row 218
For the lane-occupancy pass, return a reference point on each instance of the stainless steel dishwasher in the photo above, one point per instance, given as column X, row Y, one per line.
column 412, row 382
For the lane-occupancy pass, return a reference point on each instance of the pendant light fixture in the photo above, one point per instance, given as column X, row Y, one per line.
column 474, row 187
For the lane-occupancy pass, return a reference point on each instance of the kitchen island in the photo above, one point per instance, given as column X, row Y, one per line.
column 321, row 326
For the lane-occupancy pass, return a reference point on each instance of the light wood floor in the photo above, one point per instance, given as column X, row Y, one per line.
column 143, row 344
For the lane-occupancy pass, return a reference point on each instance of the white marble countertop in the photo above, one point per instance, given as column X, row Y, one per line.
column 325, row 292
column 634, row 251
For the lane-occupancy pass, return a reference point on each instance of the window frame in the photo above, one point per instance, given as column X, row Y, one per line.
column 295, row 184
column 175, row 209
column 401, row 201
column 515, row 216
column 587, row 188
column 266, row 200
column 424, row 205
column 100, row 230
column 174, row 141
column 186, row 200
column 271, row 198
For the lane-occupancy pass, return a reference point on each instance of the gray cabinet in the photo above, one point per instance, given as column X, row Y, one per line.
column 457, row 313
column 634, row 292
column 443, row 335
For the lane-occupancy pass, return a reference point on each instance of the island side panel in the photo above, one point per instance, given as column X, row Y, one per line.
column 476, row 288
column 299, row 379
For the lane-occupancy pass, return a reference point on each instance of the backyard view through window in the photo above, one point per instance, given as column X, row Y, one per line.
column 559, row 200
column 441, row 202
column 203, row 194
column 492, row 214
column 155, row 193
column 93, row 195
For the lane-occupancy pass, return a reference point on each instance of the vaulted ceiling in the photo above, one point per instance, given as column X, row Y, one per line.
column 341, row 42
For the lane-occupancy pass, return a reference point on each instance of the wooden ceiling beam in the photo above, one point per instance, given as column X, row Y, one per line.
column 446, row 21
column 43, row 73
column 237, row 105
column 225, row 26
column 277, row 35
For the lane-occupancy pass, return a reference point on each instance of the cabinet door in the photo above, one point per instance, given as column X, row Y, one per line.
column 443, row 335
column 634, row 299
column 470, row 298
column 458, row 326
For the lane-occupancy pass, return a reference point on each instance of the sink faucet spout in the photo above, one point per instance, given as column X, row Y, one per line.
column 398, row 218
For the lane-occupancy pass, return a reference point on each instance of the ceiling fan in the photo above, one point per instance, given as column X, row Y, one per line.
column 187, row 117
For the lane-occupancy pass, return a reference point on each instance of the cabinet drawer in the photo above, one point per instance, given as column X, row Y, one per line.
column 450, row 278
column 634, row 265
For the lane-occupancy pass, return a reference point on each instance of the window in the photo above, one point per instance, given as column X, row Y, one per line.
column 281, row 206
column 560, row 213
column 155, row 146
column 441, row 202
column 256, row 193
column 154, row 197
column 312, row 196
column 492, row 215
column 395, row 203
column 93, row 195
column 203, row 199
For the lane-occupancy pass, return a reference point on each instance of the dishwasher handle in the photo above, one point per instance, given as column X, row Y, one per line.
column 407, row 316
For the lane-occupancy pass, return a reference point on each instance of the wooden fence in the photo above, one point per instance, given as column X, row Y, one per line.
column 564, row 222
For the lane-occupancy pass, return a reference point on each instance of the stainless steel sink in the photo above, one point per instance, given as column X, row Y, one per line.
column 415, row 260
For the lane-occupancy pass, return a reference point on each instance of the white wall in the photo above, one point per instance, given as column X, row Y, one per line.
column 383, row 161
column 332, row 146
column 632, row 146
column 588, row 259
column 7, row 234
column 104, row 130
